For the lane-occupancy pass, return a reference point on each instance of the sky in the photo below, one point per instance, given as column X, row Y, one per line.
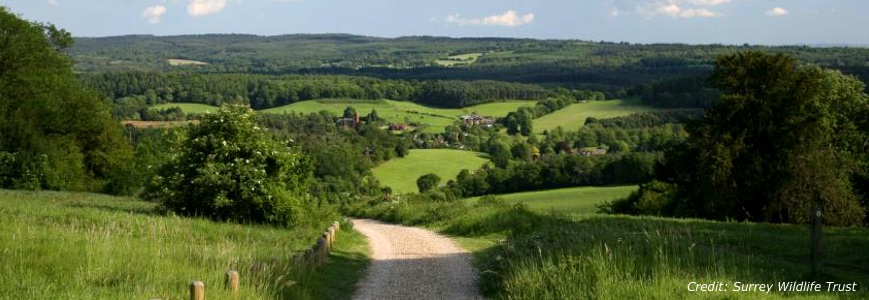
column 757, row 22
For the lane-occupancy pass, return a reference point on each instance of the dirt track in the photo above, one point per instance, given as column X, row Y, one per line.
column 414, row 263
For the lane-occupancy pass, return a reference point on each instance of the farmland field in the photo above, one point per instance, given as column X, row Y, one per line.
column 568, row 200
column 402, row 111
column 573, row 117
column 401, row 173
column 459, row 60
column 187, row 108
column 89, row 246
column 185, row 62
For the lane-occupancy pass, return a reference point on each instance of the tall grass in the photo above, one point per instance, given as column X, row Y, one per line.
column 554, row 256
column 87, row 246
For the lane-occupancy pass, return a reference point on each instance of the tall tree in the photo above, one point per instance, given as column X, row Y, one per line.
column 781, row 140
column 55, row 134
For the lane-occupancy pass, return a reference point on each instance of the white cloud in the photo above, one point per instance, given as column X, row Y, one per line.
column 707, row 2
column 199, row 8
column 53, row 2
column 508, row 19
column 673, row 8
column 153, row 13
column 776, row 12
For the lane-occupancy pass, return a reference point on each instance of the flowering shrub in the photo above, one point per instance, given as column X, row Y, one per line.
column 228, row 168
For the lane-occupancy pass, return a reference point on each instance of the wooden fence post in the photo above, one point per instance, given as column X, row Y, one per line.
column 321, row 249
column 231, row 281
column 197, row 290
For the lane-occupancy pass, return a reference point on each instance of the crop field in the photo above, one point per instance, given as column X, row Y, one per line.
column 568, row 200
column 187, row 108
column 573, row 117
column 392, row 111
column 401, row 173
column 185, row 62
column 88, row 246
column 459, row 60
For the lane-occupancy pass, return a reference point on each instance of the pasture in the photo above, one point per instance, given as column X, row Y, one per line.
column 573, row 117
column 567, row 200
column 401, row 173
column 187, row 108
column 459, row 60
column 89, row 246
column 433, row 119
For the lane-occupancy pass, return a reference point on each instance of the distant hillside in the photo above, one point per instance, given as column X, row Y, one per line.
column 572, row 63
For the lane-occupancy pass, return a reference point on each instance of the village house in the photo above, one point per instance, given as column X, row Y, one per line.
column 476, row 119
column 592, row 151
column 349, row 122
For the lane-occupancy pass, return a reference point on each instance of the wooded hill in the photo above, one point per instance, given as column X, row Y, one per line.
column 570, row 63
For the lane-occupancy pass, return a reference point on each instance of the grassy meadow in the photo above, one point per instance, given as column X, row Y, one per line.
column 401, row 173
column 567, row 200
column 527, row 254
column 459, row 60
column 188, row 108
column 392, row 111
column 573, row 117
column 88, row 246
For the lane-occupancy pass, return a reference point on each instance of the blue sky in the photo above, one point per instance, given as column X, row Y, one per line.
column 769, row 22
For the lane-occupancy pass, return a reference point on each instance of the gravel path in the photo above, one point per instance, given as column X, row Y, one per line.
column 414, row 263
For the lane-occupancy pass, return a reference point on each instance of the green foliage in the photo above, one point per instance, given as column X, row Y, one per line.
column 655, row 198
column 229, row 168
column 55, row 133
column 782, row 140
column 589, row 64
column 427, row 182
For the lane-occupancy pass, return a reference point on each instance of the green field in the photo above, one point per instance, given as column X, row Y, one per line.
column 185, row 62
column 459, row 60
column 88, row 246
column 568, row 200
column 401, row 173
column 573, row 117
column 188, row 108
column 403, row 111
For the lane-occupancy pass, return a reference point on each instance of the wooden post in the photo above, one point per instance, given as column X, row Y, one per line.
column 197, row 290
column 321, row 249
column 816, row 241
column 231, row 281
column 334, row 230
column 328, row 239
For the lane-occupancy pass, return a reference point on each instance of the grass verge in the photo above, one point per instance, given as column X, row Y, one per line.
column 561, row 256
column 88, row 246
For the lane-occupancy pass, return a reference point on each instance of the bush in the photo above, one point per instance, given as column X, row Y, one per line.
column 230, row 169
column 427, row 182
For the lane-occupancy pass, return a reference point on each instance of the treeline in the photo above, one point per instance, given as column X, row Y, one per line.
column 677, row 93
column 648, row 119
column 131, row 92
column 458, row 94
column 555, row 171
